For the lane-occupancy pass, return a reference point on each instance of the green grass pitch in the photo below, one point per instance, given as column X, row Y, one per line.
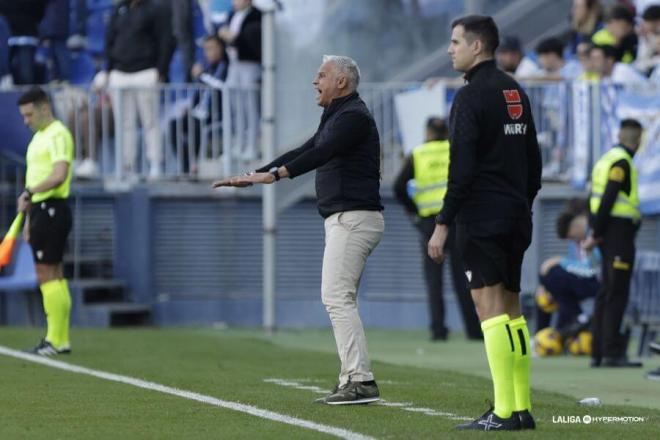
column 427, row 381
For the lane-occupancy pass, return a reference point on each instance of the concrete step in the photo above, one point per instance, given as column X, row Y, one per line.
column 98, row 290
column 112, row 314
column 89, row 266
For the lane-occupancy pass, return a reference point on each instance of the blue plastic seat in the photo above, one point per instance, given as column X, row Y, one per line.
column 20, row 274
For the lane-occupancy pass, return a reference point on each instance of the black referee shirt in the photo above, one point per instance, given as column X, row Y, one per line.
column 495, row 165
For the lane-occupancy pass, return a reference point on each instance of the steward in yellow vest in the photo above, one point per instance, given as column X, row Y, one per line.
column 431, row 170
column 420, row 187
column 614, row 206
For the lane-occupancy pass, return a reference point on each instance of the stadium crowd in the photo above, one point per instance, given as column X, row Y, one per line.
column 620, row 44
column 144, row 44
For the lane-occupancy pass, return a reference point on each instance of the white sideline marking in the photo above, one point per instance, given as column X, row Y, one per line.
column 406, row 406
column 240, row 407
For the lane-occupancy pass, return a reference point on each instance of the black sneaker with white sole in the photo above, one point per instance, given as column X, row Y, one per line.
column 526, row 419
column 64, row 350
column 489, row 421
column 44, row 348
column 323, row 399
column 354, row 393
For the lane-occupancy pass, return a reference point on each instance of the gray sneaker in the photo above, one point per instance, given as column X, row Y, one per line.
column 353, row 393
column 324, row 398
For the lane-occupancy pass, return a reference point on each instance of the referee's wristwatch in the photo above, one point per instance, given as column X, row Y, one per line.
column 274, row 171
column 441, row 220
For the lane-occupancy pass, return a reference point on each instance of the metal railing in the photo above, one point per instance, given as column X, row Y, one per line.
column 12, row 174
column 196, row 131
column 169, row 132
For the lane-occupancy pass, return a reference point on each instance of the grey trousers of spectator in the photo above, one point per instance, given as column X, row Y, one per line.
column 350, row 237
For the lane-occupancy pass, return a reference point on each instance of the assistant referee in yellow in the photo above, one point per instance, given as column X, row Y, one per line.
column 615, row 219
column 44, row 200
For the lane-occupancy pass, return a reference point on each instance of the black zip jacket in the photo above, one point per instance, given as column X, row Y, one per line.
column 495, row 166
column 345, row 151
column 139, row 38
column 248, row 40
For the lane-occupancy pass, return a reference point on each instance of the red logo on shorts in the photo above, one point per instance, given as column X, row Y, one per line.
column 513, row 107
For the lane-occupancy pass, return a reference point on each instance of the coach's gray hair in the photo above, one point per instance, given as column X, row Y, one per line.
column 346, row 66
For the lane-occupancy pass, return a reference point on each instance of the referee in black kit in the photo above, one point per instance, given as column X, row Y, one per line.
column 494, row 176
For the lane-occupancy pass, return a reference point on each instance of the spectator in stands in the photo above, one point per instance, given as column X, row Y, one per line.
column 648, row 51
column 583, row 50
column 5, row 71
column 138, row 50
column 206, row 106
column 216, row 13
column 511, row 59
column 182, row 28
column 550, row 54
column 54, row 32
column 243, row 37
column 23, row 17
column 619, row 32
column 99, row 110
column 586, row 19
column 604, row 63
column 78, row 40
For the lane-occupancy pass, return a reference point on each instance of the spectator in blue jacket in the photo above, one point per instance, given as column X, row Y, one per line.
column 54, row 32
column 186, row 131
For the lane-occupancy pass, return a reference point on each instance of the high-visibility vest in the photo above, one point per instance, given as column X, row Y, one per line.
column 625, row 206
column 431, row 166
column 605, row 38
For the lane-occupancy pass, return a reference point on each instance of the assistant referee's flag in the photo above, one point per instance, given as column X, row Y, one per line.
column 9, row 242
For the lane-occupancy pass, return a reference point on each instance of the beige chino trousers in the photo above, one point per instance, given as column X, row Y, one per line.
column 350, row 237
column 136, row 94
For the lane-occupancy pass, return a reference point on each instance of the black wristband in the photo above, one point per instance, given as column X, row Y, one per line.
column 275, row 172
column 441, row 220
column 29, row 193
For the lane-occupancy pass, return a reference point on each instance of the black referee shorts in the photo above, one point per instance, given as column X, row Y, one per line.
column 492, row 252
column 50, row 224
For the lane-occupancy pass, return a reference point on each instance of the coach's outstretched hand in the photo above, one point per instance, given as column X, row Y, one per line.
column 245, row 180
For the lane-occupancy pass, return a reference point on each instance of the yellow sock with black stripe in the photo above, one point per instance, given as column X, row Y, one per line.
column 51, row 292
column 66, row 312
column 499, row 350
column 521, row 364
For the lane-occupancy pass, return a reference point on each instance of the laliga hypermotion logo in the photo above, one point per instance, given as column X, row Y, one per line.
column 513, row 103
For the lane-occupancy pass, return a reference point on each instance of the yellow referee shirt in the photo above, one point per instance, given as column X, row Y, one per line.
column 48, row 146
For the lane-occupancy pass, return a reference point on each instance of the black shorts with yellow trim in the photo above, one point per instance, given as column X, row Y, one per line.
column 492, row 252
column 50, row 225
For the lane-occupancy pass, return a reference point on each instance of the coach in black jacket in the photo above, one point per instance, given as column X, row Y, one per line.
column 494, row 175
column 345, row 151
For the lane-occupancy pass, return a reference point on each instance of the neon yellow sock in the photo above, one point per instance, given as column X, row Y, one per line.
column 66, row 312
column 521, row 364
column 499, row 350
column 52, row 298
